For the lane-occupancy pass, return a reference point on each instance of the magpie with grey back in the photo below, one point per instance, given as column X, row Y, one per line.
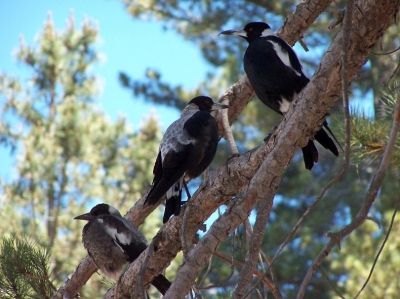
column 276, row 75
column 186, row 150
column 112, row 242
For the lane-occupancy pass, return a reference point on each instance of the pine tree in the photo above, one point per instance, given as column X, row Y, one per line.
column 69, row 154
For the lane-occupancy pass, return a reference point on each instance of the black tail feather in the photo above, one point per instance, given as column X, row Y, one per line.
column 323, row 138
column 161, row 284
column 172, row 206
column 333, row 135
column 310, row 155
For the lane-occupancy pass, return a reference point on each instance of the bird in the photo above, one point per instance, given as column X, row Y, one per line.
column 276, row 75
column 186, row 150
column 112, row 242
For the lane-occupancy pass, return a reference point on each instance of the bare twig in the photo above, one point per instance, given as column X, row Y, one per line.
column 393, row 73
column 199, row 285
column 381, row 248
column 338, row 19
column 139, row 289
column 263, row 211
column 232, row 263
column 240, row 265
column 388, row 53
column 227, row 129
column 334, row 288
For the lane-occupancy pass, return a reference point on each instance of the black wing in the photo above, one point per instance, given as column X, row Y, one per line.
column 270, row 78
column 173, row 167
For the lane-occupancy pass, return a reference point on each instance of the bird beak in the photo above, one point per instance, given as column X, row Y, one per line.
column 218, row 106
column 86, row 217
column 239, row 32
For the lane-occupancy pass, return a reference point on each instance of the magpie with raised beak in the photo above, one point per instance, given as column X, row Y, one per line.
column 186, row 150
column 112, row 241
column 276, row 75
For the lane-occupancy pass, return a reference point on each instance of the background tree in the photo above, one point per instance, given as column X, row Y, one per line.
column 69, row 154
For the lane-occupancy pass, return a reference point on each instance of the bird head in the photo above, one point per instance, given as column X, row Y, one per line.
column 251, row 31
column 206, row 104
column 100, row 209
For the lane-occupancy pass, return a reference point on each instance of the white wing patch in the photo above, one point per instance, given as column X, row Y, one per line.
column 113, row 233
column 283, row 56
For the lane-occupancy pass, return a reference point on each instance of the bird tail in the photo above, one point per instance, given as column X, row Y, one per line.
column 323, row 138
column 310, row 154
column 172, row 206
column 161, row 284
column 158, row 190
column 333, row 135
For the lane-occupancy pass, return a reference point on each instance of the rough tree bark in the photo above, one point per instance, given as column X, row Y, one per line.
column 256, row 174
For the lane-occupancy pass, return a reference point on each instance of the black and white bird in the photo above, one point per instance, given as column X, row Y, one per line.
column 276, row 75
column 112, row 242
column 186, row 150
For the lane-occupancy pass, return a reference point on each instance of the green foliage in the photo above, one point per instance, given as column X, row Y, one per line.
column 24, row 269
column 69, row 155
column 369, row 137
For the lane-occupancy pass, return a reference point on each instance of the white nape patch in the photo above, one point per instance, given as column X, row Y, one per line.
column 112, row 210
column 283, row 56
column 284, row 106
column 267, row 32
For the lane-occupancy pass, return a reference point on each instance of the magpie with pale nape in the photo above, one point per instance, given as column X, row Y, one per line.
column 186, row 150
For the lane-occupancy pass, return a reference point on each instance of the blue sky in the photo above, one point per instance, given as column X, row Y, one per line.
column 128, row 45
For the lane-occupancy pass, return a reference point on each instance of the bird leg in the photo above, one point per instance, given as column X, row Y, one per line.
column 187, row 190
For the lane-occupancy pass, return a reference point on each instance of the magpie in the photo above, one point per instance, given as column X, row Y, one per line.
column 186, row 150
column 276, row 75
column 112, row 241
